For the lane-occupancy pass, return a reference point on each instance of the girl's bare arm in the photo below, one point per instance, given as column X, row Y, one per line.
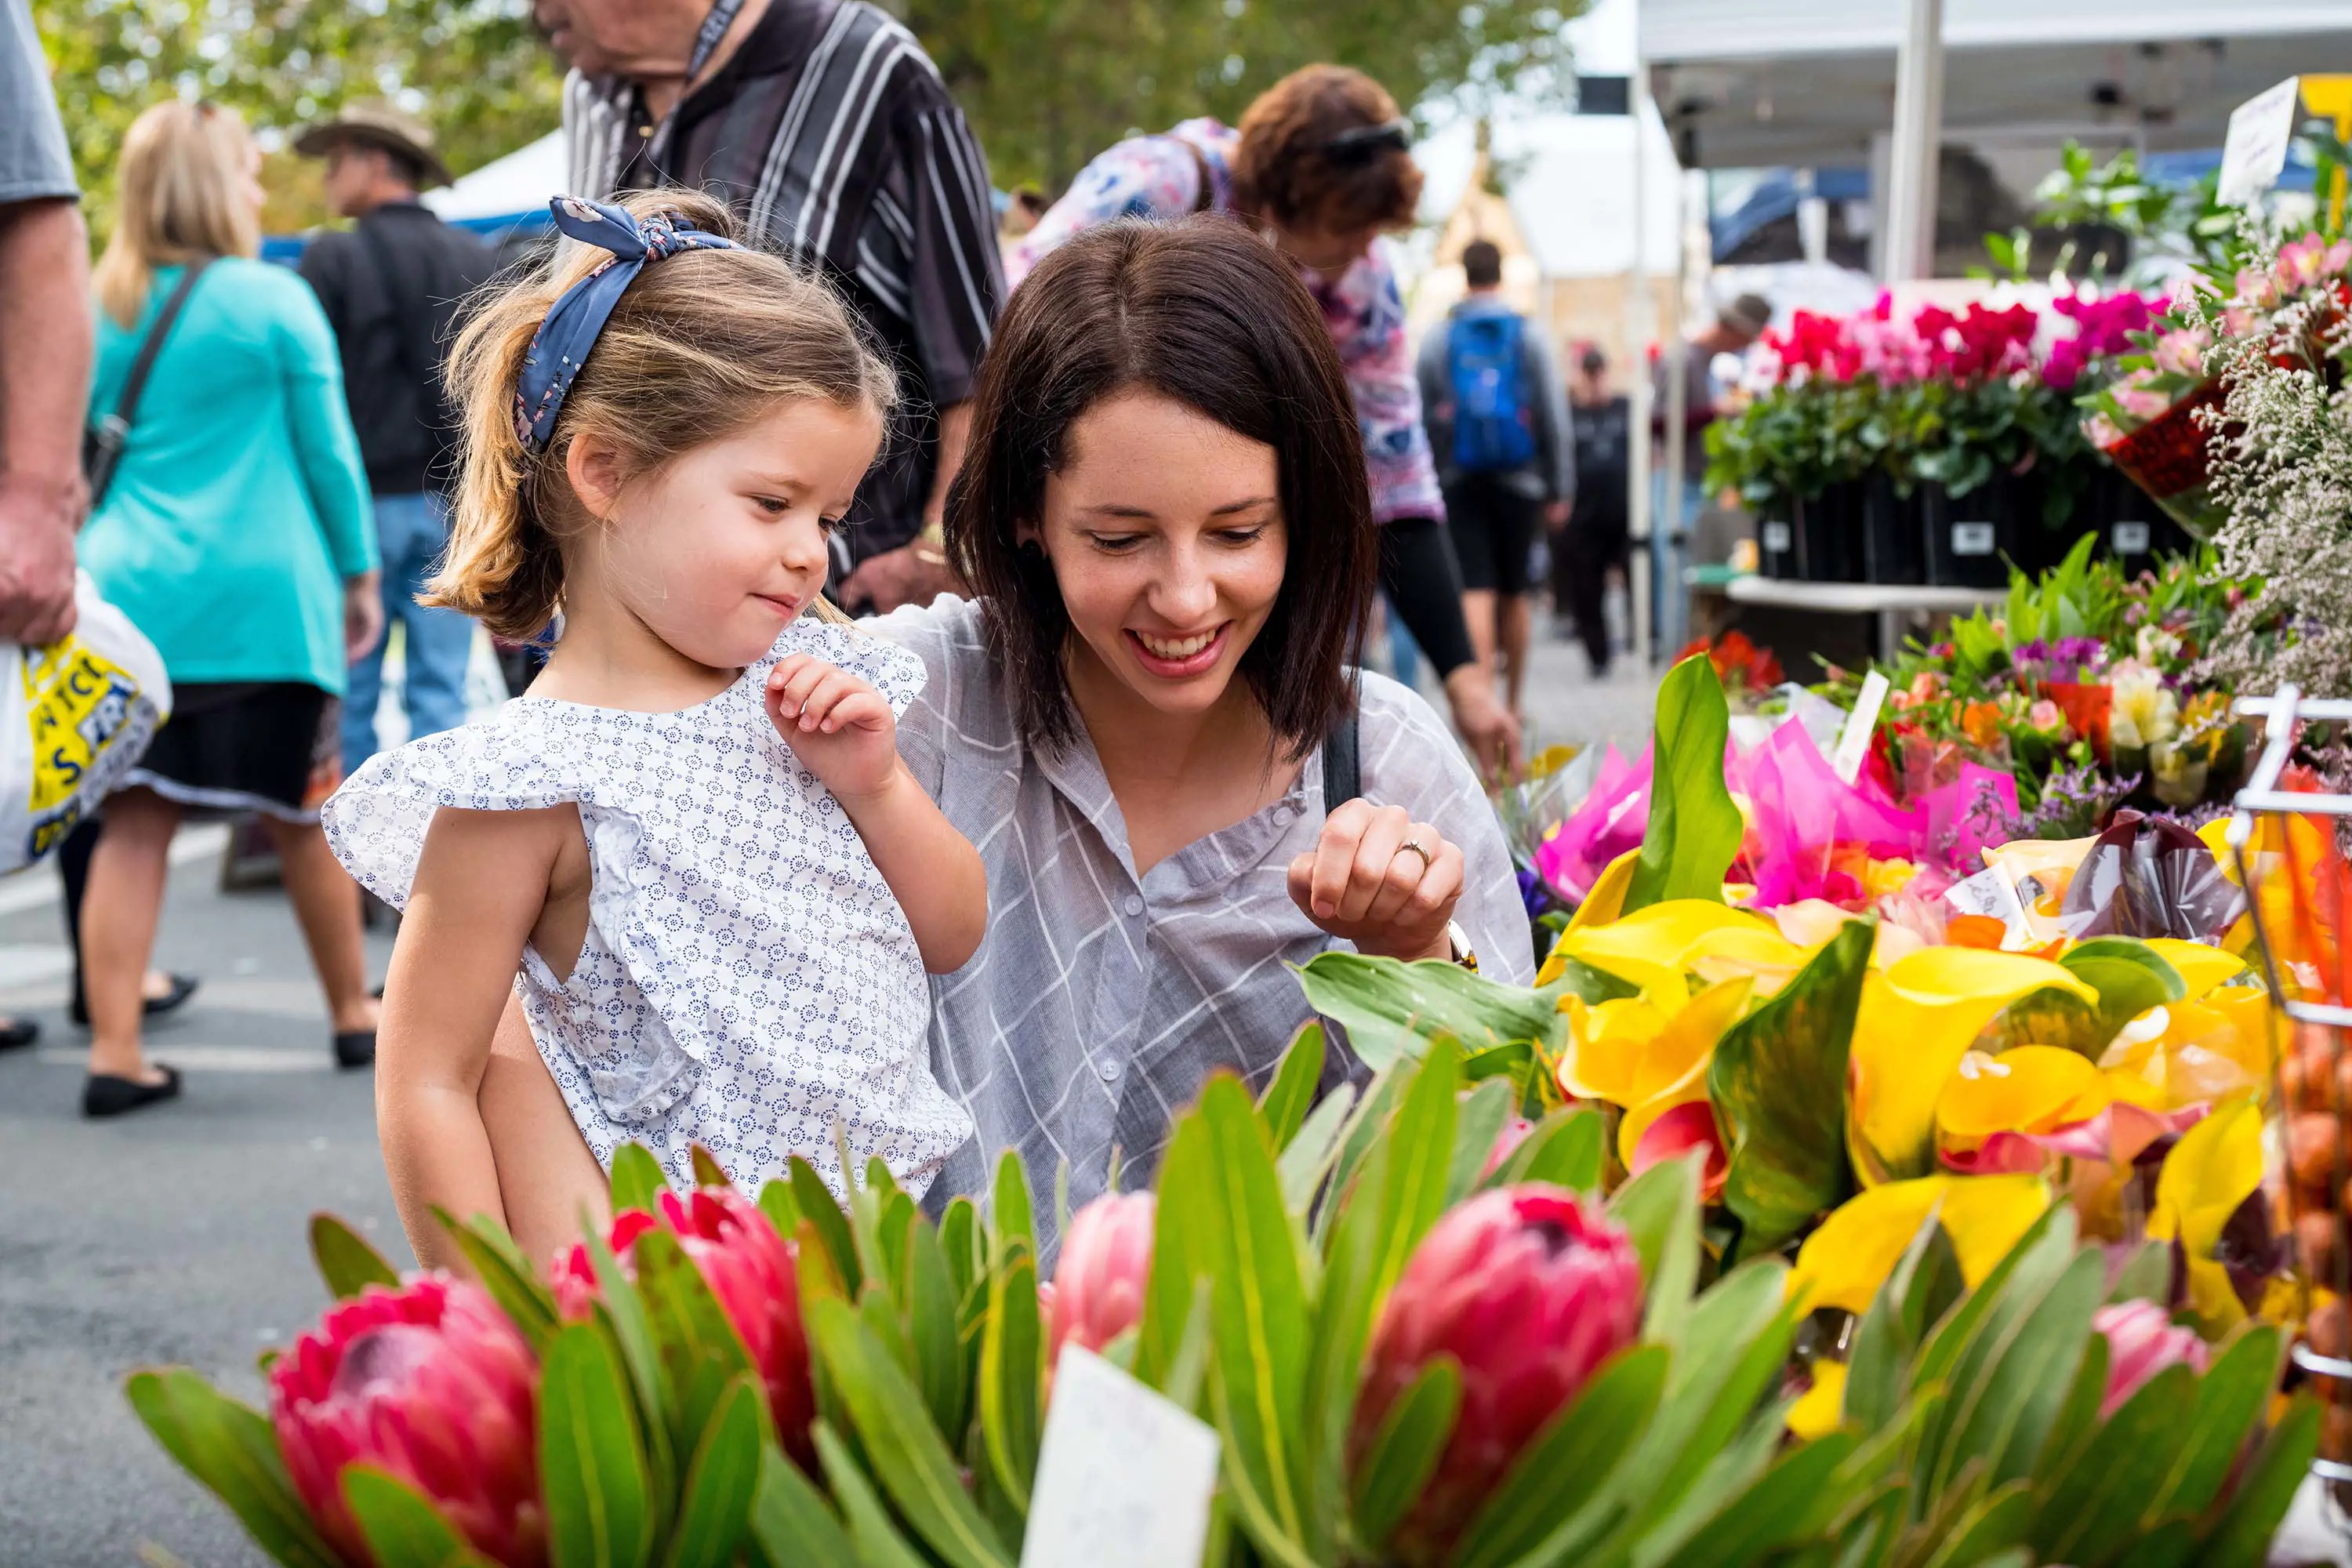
column 481, row 886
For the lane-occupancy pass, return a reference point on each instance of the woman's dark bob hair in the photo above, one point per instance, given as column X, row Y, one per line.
column 1205, row 312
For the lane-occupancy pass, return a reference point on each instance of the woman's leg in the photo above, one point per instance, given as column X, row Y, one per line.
column 119, row 912
column 326, row 903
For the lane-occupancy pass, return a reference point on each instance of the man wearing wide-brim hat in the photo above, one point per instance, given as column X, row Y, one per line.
column 393, row 285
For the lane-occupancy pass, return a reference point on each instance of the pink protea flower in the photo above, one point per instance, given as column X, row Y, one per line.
column 1096, row 1293
column 754, row 1273
column 1506, row 1143
column 2142, row 1341
column 430, row 1383
column 1529, row 1291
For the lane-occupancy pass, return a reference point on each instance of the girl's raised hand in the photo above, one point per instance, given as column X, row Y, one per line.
column 1382, row 880
column 837, row 724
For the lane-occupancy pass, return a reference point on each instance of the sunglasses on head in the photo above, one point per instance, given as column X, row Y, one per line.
column 1365, row 143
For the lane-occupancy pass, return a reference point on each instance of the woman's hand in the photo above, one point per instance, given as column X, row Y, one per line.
column 837, row 724
column 1382, row 880
column 362, row 615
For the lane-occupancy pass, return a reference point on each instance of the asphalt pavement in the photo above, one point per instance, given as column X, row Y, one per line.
column 176, row 1235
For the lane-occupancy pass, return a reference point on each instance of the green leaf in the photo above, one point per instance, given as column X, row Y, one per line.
column 1996, row 1525
column 720, row 1484
column 909, row 1459
column 1694, row 827
column 1478, row 1124
column 2044, row 1248
column 879, row 1544
column 401, row 1528
column 820, row 1209
column 506, row 1274
column 1559, row 1494
column 700, row 1350
column 2230, row 1399
column 1290, row 1096
column 2242, row 1537
column 2129, row 976
column 1659, row 1209
column 1012, row 1346
column 1311, row 1155
column 2094, row 1512
column 1925, row 1284
column 591, row 1471
column 1568, row 1149
column 1012, row 1217
column 1789, row 1503
column 232, row 1450
column 1176, row 1261
column 1405, row 1451
column 2046, row 1017
column 346, row 1263
column 2009, row 1391
column 932, row 1326
column 1389, row 1007
column 783, row 1211
column 638, row 1179
column 2147, row 1276
column 792, row 1526
column 961, row 1241
column 1778, row 1084
column 708, row 1172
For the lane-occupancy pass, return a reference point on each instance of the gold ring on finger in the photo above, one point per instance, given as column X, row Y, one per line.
column 1419, row 849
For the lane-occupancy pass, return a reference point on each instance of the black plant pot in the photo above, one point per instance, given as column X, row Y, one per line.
column 1972, row 539
column 1893, row 547
column 2045, row 532
column 2132, row 527
column 1776, row 544
column 1829, row 533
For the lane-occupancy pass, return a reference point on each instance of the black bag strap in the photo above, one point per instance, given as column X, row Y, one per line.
column 1343, row 774
column 114, row 432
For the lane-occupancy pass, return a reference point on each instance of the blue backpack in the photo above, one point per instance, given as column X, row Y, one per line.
column 1493, row 428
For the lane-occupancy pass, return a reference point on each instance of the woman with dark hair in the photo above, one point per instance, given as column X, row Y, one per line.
column 1320, row 163
column 1165, row 517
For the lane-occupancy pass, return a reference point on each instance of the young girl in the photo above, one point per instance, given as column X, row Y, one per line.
column 691, row 849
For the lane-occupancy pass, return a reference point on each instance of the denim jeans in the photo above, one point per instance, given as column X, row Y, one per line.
column 412, row 531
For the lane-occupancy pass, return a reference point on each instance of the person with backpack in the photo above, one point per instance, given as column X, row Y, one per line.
column 392, row 287
column 1498, row 424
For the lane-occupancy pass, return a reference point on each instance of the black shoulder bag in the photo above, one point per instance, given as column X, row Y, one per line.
column 102, row 444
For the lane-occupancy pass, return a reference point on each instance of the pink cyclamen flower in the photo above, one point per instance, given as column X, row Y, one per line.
column 2142, row 1341
column 1530, row 1290
column 752, row 1270
column 1099, row 1279
column 429, row 1382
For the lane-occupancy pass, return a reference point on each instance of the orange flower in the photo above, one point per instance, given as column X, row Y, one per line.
column 1981, row 721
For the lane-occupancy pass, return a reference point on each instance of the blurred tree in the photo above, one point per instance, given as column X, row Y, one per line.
column 1049, row 83
column 473, row 68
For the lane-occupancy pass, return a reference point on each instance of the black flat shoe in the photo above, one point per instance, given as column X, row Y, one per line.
column 355, row 1048
column 105, row 1095
column 18, row 1033
column 182, row 986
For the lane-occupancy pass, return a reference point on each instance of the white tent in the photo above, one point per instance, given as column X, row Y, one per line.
column 508, row 191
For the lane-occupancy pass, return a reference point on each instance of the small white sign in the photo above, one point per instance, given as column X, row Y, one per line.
column 2254, row 152
column 1988, row 892
column 2131, row 538
column 1853, row 741
column 1776, row 539
column 1123, row 1475
column 1972, row 539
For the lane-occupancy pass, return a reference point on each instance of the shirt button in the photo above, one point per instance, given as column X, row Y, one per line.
column 1132, row 904
column 1110, row 1071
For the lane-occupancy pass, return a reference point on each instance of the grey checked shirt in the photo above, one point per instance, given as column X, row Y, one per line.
column 1100, row 1001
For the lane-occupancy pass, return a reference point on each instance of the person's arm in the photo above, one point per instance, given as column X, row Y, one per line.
column 1555, row 425
column 44, row 358
column 327, row 453
column 480, row 887
column 843, row 729
column 1423, row 585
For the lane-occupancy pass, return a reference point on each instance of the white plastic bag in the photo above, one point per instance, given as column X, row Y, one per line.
column 74, row 717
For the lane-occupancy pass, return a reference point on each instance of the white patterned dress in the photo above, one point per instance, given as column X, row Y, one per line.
column 748, row 978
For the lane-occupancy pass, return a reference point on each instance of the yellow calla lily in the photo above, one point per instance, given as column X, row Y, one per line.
column 2196, row 1052
column 2215, row 1167
column 1655, row 946
column 1917, row 1019
column 1674, row 1071
column 1844, row 1262
column 2201, row 967
column 1820, row 1407
column 2029, row 1089
column 1606, row 1043
column 1606, row 902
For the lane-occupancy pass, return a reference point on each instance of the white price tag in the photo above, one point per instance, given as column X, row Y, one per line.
column 1853, row 741
column 1123, row 1475
column 1988, row 892
column 1972, row 539
column 2253, row 154
column 2131, row 538
column 1778, row 539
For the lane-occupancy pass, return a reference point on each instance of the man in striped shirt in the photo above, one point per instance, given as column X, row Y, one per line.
column 826, row 125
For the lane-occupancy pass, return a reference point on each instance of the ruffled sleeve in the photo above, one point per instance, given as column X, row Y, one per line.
column 376, row 822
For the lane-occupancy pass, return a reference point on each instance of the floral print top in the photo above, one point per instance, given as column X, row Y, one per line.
column 1160, row 177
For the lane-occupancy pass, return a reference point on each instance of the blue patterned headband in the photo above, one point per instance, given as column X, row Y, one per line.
column 563, row 340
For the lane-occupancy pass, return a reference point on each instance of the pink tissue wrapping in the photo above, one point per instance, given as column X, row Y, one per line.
column 1611, row 821
column 1976, row 810
column 1800, row 814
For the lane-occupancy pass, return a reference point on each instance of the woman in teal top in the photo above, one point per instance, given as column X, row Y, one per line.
column 236, row 534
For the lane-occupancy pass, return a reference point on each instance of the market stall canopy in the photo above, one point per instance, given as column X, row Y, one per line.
column 1570, row 182
column 1811, row 83
column 508, row 193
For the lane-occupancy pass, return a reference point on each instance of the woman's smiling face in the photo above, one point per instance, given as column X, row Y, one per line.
column 1164, row 529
